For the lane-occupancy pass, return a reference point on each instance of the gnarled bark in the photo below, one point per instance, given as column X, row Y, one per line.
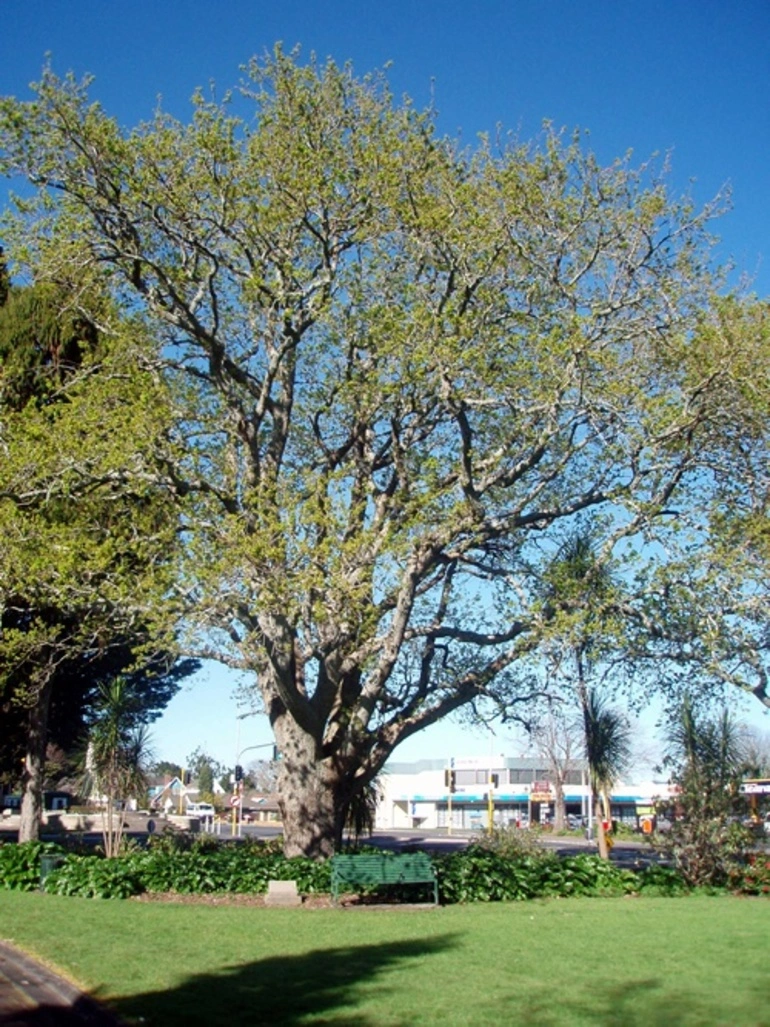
column 34, row 765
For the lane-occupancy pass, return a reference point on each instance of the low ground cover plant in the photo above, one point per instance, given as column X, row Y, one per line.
column 480, row 873
column 201, row 866
column 20, row 864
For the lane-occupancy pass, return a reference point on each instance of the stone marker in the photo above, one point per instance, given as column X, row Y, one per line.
column 282, row 893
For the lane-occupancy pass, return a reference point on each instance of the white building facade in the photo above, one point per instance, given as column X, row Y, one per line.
column 467, row 792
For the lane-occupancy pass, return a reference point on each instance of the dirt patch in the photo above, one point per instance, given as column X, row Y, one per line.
column 227, row 899
column 308, row 901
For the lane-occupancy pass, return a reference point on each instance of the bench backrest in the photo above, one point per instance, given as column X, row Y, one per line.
column 385, row 868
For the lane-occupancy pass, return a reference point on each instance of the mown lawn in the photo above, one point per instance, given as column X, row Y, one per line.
column 636, row 961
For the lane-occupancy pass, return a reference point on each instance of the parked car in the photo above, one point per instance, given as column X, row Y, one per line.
column 200, row 809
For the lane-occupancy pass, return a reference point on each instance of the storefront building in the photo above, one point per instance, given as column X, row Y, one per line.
column 469, row 793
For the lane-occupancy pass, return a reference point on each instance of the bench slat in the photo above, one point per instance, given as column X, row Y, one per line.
column 384, row 869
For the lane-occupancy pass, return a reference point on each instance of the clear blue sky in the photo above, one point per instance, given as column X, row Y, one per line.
column 689, row 77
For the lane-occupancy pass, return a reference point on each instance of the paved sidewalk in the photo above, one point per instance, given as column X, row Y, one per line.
column 32, row 996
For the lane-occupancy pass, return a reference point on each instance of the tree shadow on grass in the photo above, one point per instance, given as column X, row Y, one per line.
column 283, row 990
column 632, row 1003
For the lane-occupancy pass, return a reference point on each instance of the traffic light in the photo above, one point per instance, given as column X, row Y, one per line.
column 494, row 780
column 450, row 780
column 238, row 772
column 185, row 777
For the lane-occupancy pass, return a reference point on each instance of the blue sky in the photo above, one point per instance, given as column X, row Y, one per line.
column 680, row 77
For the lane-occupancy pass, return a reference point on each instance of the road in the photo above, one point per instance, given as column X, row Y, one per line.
column 627, row 852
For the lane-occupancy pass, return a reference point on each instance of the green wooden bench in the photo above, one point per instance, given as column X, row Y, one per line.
column 384, row 868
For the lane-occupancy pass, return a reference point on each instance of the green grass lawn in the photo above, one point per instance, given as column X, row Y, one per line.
column 637, row 961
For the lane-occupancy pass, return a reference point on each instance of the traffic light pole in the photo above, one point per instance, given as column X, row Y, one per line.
column 494, row 780
column 449, row 782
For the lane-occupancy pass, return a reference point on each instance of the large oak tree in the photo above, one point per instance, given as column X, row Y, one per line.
column 402, row 367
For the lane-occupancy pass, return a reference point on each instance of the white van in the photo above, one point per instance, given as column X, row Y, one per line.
column 200, row 809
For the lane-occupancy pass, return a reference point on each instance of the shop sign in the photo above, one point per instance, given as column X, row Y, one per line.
column 541, row 791
column 756, row 787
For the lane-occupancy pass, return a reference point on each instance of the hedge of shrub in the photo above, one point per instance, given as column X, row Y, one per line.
column 204, row 865
column 479, row 874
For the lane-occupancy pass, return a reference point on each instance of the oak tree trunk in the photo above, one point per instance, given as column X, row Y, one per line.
column 314, row 792
column 34, row 765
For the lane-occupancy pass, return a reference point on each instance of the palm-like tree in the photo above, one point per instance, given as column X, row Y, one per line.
column 116, row 758
column 608, row 753
column 579, row 588
column 362, row 810
column 707, row 757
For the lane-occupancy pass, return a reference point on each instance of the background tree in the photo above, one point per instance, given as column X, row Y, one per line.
column 205, row 770
column 755, row 746
column 87, row 536
column 587, row 641
column 558, row 736
column 262, row 776
column 116, row 759
column 165, row 768
column 403, row 370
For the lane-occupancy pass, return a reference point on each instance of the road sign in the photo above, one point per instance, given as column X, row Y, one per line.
column 235, row 800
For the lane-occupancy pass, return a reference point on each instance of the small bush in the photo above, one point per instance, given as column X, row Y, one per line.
column 705, row 851
column 20, row 864
column 95, row 877
column 513, row 842
column 479, row 874
column 658, row 880
column 751, row 877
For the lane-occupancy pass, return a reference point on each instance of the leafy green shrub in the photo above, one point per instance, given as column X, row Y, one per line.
column 20, row 864
column 203, row 867
column 658, row 880
column 585, row 874
column 479, row 874
column 95, row 877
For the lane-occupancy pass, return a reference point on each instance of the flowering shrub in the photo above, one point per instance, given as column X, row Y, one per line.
column 752, row 877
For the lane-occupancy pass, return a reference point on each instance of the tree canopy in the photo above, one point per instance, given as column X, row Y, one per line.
column 402, row 370
column 87, row 536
